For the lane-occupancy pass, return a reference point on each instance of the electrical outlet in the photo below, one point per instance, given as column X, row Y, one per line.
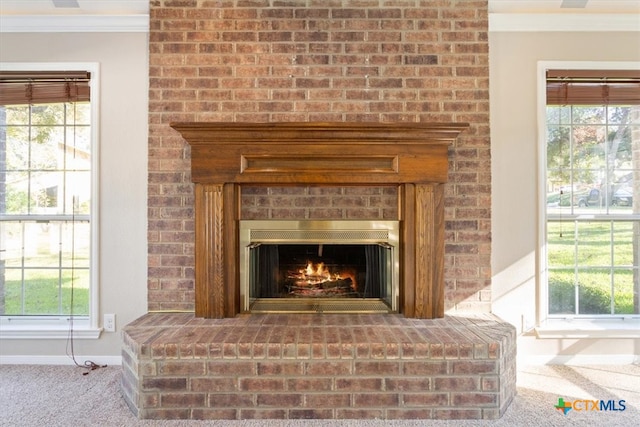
column 110, row 322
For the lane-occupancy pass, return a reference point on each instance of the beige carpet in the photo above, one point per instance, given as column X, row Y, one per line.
column 62, row 396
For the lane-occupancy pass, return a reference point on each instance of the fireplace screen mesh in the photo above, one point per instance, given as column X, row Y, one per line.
column 319, row 266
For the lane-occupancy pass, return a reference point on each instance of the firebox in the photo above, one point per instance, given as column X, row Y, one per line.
column 319, row 266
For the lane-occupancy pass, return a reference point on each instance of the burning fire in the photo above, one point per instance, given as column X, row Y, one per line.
column 318, row 272
column 318, row 280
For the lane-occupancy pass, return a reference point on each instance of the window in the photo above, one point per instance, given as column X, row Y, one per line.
column 47, row 171
column 592, row 189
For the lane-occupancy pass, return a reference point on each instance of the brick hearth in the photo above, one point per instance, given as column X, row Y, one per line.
column 320, row 366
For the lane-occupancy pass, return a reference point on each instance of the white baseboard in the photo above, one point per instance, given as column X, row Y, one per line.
column 579, row 359
column 59, row 360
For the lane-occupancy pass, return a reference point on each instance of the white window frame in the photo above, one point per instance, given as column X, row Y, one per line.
column 610, row 326
column 59, row 327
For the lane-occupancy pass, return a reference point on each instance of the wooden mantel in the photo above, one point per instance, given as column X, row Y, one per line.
column 224, row 156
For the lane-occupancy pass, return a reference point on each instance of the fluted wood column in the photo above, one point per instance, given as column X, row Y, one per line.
column 422, row 281
column 429, row 251
column 215, row 249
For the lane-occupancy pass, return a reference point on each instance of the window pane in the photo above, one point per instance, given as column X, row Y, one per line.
column 562, row 297
column 16, row 193
column 594, row 244
column 561, row 244
column 45, row 146
column 41, row 247
column 624, row 279
column 589, row 147
column 78, row 150
column 559, row 194
column 13, row 291
column 623, row 243
column 594, row 292
column 79, row 113
column 78, row 193
column 17, row 148
column 618, row 114
column 75, row 244
column 79, row 283
column 558, row 147
column 17, row 114
column 588, row 114
column 559, row 115
column 11, row 238
column 41, row 292
column 622, row 196
column 47, row 114
column 44, row 193
column 589, row 196
column 619, row 147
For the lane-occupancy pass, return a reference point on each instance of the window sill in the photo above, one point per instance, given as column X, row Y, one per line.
column 626, row 327
column 34, row 327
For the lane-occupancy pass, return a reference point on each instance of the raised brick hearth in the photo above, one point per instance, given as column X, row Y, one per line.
column 322, row 366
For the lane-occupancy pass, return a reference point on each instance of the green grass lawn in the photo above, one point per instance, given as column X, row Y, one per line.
column 45, row 285
column 581, row 259
column 44, row 293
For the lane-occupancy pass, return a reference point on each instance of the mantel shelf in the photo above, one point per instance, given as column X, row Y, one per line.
column 319, row 153
column 325, row 132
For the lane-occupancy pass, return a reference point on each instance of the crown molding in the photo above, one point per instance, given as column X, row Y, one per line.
column 507, row 22
column 74, row 23
column 535, row 22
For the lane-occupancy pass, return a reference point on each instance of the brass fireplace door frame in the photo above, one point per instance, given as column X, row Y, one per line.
column 253, row 232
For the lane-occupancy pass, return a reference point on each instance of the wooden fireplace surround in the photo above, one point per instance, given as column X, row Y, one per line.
column 225, row 156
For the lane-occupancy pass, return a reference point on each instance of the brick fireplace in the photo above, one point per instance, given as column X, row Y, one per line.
column 228, row 362
column 307, row 61
column 329, row 61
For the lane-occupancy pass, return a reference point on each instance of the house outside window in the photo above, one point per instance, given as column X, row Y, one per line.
column 592, row 193
column 47, row 199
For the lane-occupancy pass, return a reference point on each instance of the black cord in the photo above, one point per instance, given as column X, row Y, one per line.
column 88, row 364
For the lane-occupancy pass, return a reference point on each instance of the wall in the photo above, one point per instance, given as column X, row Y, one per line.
column 331, row 60
column 123, row 178
column 514, row 137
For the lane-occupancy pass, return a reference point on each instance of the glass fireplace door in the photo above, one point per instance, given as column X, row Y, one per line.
column 319, row 266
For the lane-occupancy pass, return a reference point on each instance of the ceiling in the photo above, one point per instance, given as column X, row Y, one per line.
column 141, row 7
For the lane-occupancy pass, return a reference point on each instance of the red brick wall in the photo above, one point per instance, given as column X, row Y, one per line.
column 319, row 60
column 320, row 202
